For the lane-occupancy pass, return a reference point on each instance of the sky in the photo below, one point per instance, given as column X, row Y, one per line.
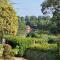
column 27, row 7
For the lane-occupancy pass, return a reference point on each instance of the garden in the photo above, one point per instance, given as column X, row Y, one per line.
column 31, row 48
column 30, row 37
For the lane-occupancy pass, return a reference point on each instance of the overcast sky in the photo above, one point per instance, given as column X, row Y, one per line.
column 27, row 7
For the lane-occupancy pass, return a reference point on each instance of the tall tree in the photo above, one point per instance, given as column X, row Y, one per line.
column 33, row 20
column 8, row 18
column 21, row 25
column 53, row 6
column 43, row 23
column 27, row 19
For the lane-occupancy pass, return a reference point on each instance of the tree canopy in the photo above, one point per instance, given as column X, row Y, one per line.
column 8, row 18
column 54, row 7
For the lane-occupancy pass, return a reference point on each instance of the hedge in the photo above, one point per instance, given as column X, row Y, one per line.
column 22, row 42
column 33, row 43
column 42, row 52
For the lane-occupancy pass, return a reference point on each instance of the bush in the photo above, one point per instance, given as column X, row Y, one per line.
column 41, row 52
column 52, row 39
column 31, row 34
column 1, row 49
column 22, row 42
column 45, row 38
column 40, row 40
column 48, row 38
column 15, row 50
column 7, row 52
column 44, row 47
column 25, row 42
column 1, row 46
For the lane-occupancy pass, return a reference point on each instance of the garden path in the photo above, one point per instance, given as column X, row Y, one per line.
column 19, row 58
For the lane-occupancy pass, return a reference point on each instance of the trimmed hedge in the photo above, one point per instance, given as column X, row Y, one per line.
column 22, row 42
column 44, row 47
column 19, row 40
column 42, row 52
column 45, row 38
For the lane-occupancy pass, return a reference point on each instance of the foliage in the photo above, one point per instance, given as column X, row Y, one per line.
column 22, row 42
column 40, row 23
column 42, row 38
column 54, row 7
column 7, row 52
column 1, row 46
column 15, row 50
column 56, row 20
column 45, row 38
column 21, row 25
column 8, row 18
column 51, row 4
column 44, row 47
column 33, row 20
column 41, row 52
column 25, row 42
column 1, row 49
column 43, row 23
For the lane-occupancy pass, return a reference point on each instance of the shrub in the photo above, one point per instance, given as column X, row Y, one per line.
column 40, row 40
column 26, row 42
column 15, row 50
column 32, row 34
column 45, row 38
column 22, row 42
column 1, row 46
column 1, row 49
column 44, row 47
column 41, row 52
column 7, row 52
column 52, row 39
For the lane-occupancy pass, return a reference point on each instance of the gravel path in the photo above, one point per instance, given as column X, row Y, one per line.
column 15, row 58
column 19, row 58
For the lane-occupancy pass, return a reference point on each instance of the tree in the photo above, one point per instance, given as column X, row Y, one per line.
column 43, row 23
column 33, row 20
column 8, row 18
column 27, row 19
column 53, row 6
column 21, row 25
